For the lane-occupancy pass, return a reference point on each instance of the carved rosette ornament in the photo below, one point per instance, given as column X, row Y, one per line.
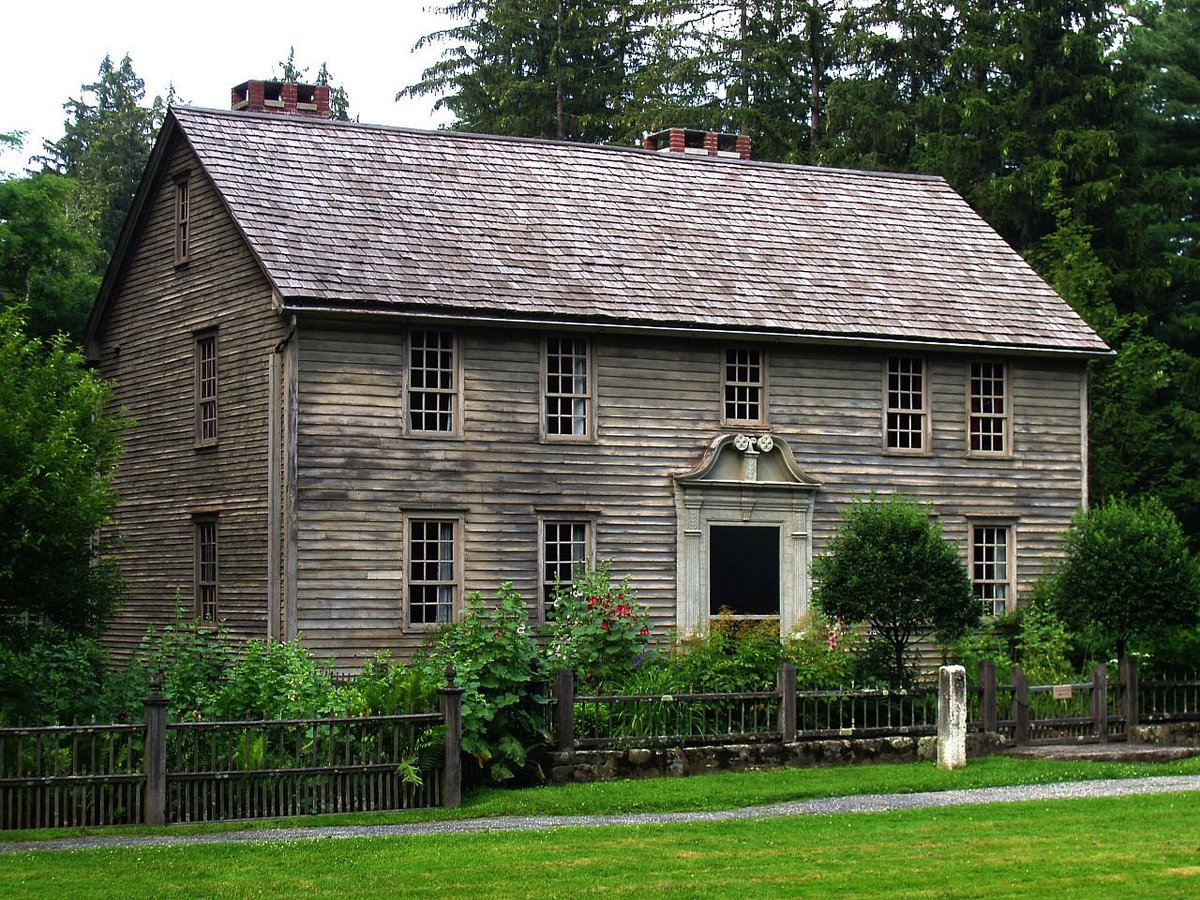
column 751, row 446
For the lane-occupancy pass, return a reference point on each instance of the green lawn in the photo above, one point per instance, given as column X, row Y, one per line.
column 706, row 792
column 1134, row 846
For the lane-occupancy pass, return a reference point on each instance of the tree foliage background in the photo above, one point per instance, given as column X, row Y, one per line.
column 1071, row 126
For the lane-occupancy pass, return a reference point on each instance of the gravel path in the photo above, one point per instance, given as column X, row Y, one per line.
column 1117, row 787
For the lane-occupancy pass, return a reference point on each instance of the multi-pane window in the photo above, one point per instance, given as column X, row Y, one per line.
column 564, row 552
column 744, row 385
column 206, row 389
column 905, row 414
column 991, row 567
column 432, row 570
column 988, row 420
column 182, row 220
column 432, row 381
column 568, row 388
column 206, row 569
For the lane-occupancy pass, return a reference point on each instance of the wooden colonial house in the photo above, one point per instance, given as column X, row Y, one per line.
column 375, row 368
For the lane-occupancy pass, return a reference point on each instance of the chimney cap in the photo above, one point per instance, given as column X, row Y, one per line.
column 698, row 141
column 283, row 97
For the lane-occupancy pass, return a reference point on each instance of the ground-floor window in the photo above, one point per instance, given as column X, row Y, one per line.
column 433, row 579
column 991, row 567
column 564, row 552
column 206, row 568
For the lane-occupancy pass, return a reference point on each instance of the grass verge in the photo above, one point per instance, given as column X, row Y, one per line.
column 702, row 792
column 1131, row 846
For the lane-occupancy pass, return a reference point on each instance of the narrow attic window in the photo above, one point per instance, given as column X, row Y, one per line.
column 183, row 216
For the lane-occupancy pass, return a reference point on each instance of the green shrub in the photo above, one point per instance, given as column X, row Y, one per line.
column 1128, row 574
column 598, row 631
column 1044, row 644
column 386, row 687
column 194, row 660
column 50, row 677
column 735, row 655
column 495, row 654
column 823, row 653
column 995, row 639
column 275, row 680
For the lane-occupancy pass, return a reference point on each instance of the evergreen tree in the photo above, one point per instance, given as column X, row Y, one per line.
column 105, row 146
column 339, row 100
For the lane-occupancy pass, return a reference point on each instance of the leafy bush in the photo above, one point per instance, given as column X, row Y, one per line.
column 995, row 639
column 49, row 677
column 194, row 661
column 386, row 687
column 599, row 632
column 735, row 655
column 1127, row 574
column 889, row 566
column 1044, row 644
column 275, row 680
column 495, row 654
column 823, row 652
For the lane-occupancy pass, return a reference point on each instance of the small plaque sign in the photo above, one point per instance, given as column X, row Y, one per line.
column 1062, row 691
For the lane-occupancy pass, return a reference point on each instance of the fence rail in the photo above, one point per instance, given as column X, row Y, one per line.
column 675, row 719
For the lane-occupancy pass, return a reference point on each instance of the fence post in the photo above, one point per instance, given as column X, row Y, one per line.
column 785, row 683
column 987, row 700
column 564, row 710
column 1129, row 698
column 154, row 759
column 450, row 697
column 1100, row 701
column 952, row 717
column 1020, row 706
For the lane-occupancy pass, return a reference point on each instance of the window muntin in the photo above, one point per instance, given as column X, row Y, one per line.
column 991, row 567
column 905, row 414
column 567, row 399
column 182, row 220
column 432, row 382
column 744, row 386
column 987, row 426
column 206, row 389
column 432, row 571
column 206, row 581
column 564, row 552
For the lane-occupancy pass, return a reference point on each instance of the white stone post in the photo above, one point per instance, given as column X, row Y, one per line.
column 952, row 717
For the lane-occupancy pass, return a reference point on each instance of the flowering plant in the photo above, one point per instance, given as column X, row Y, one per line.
column 596, row 629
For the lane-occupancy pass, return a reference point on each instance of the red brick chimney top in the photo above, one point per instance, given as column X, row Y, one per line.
column 694, row 140
column 285, row 98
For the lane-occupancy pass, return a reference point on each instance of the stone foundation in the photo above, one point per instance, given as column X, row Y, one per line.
column 1175, row 734
column 609, row 765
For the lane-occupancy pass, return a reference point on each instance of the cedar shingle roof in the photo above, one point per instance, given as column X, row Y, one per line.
column 364, row 216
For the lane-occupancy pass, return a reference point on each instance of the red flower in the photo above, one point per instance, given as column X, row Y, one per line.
column 498, row 633
column 604, row 625
column 645, row 631
column 624, row 610
column 592, row 601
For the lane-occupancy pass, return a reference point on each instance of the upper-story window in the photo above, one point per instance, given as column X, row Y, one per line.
column 183, row 215
column 567, row 389
column 745, row 386
column 988, row 420
column 906, row 420
column 206, row 389
column 206, row 582
column 433, row 382
column 433, row 570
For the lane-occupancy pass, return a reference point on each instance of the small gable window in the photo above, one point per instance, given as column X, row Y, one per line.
column 183, row 217
column 906, row 422
column 744, row 387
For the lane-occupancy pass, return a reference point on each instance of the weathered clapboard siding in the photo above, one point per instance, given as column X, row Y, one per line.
column 658, row 407
column 148, row 346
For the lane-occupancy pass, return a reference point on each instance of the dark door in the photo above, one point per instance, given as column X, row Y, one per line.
column 744, row 569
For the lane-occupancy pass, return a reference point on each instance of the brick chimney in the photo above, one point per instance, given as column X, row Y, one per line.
column 284, row 98
column 704, row 143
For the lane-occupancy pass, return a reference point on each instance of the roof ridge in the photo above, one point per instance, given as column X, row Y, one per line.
column 313, row 121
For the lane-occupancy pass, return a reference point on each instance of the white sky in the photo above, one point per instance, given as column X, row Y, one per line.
column 205, row 48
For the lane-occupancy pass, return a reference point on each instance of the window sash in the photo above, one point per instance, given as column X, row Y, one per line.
column 567, row 388
column 988, row 417
column 744, row 385
column 905, row 406
column 206, row 389
column 991, row 567
column 206, row 570
column 182, row 220
column 432, row 571
column 432, row 381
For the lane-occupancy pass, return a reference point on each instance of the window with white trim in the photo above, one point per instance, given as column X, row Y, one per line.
column 987, row 426
column 206, row 389
column 183, row 215
column 564, row 552
column 433, row 570
column 567, row 389
column 744, row 385
column 906, row 417
column 206, row 581
column 432, row 381
column 991, row 567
